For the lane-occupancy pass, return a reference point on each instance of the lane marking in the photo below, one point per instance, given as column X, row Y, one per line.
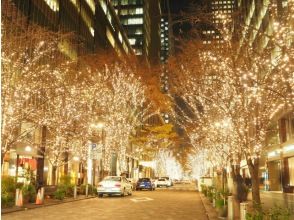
column 141, row 199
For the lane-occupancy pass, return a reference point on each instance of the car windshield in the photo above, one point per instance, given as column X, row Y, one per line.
column 161, row 179
column 113, row 178
column 144, row 180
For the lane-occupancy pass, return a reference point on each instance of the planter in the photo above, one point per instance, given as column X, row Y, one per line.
column 223, row 211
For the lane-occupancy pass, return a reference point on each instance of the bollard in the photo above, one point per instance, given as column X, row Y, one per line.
column 39, row 198
column 213, row 199
column 243, row 210
column 75, row 192
column 42, row 194
column 87, row 190
column 16, row 197
column 19, row 201
column 230, row 208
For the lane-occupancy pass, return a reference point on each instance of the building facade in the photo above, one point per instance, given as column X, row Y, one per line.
column 141, row 20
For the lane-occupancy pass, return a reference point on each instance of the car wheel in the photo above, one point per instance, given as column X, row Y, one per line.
column 100, row 195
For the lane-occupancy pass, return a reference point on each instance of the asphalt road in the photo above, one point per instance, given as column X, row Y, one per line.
column 161, row 204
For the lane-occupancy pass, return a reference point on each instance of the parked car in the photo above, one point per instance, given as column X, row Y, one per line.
column 170, row 182
column 162, row 182
column 145, row 183
column 114, row 185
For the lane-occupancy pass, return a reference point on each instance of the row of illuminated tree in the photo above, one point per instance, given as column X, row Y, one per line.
column 234, row 95
column 43, row 89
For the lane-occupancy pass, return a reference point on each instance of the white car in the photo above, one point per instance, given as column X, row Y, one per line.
column 114, row 185
column 162, row 182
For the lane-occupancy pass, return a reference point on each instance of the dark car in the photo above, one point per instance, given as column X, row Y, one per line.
column 145, row 183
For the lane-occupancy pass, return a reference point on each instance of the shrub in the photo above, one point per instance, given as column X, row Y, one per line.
column 91, row 189
column 210, row 193
column 204, row 189
column 7, row 200
column 59, row 194
column 66, row 180
column 66, row 186
column 219, row 203
column 8, row 184
column 278, row 213
column 8, row 188
column 275, row 213
column 29, row 193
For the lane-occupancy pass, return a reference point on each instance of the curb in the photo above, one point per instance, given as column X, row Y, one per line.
column 210, row 211
column 18, row 209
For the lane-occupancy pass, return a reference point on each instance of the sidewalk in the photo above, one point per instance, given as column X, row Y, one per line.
column 47, row 202
column 210, row 211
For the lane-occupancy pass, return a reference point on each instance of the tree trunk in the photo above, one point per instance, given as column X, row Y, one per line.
column 2, row 158
column 65, row 168
column 254, row 172
column 40, row 161
column 54, row 169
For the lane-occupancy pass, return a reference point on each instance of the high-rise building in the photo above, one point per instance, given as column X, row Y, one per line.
column 164, row 32
column 78, row 17
column 141, row 20
column 221, row 16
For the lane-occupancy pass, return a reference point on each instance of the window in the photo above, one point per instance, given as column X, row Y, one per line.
column 135, row 21
column 132, row 41
column 92, row 31
column 139, row 11
column 120, row 37
column 110, row 37
column 91, row 4
column 53, row 4
column 103, row 5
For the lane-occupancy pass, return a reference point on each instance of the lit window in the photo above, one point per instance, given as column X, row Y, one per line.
column 132, row 41
column 124, row 12
column 110, row 37
column 119, row 37
column 103, row 5
column 135, row 21
column 139, row 11
column 92, row 31
column 53, row 4
column 91, row 4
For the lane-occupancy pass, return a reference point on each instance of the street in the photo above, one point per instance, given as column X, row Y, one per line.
column 163, row 204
